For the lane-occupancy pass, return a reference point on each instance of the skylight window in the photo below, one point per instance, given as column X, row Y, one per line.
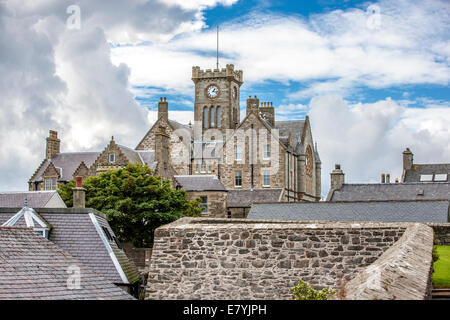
column 118, row 242
column 440, row 177
column 426, row 177
column 108, row 235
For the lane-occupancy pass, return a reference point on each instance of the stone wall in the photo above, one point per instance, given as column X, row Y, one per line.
column 140, row 256
column 201, row 258
column 441, row 233
column 403, row 272
column 217, row 202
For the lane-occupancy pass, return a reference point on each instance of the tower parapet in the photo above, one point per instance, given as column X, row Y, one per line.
column 228, row 72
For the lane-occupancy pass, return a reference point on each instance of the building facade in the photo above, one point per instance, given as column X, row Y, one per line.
column 257, row 153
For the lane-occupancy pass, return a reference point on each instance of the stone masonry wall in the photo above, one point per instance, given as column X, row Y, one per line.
column 441, row 233
column 403, row 272
column 200, row 258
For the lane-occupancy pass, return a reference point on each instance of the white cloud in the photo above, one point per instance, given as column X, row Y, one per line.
column 368, row 139
column 61, row 79
column 409, row 47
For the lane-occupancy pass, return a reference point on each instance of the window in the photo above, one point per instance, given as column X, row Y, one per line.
column 218, row 117
column 196, row 167
column 440, row 177
column 426, row 177
column 238, row 178
column 237, row 153
column 117, row 242
column 205, row 117
column 266, row 154
column 112, row 158
column 210, row 167
column 203, row 167
column 108, row 235
column 266, row 178
column 309, row 161
column 213, row 113
column 204, row 204
column 50, row 184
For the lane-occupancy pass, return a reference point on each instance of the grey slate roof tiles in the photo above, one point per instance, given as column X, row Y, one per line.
column 34, row 268
column 392, row 191
column 37, row 199
column 383, row 211
column 67, row 163
column 73, row 231
column 245, row 198
column 413, row 175
column 200, row 183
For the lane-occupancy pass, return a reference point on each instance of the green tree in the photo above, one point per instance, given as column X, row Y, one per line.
column 135, row 202
column 303, row 291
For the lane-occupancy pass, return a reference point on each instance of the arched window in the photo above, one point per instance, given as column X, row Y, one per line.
column 213, row 114
column 205, row 117
column 218, row 122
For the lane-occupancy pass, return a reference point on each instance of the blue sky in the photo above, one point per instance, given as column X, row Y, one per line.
column 417, row 94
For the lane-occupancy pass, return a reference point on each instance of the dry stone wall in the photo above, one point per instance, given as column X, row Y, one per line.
column 200, row 258
column 441, row 233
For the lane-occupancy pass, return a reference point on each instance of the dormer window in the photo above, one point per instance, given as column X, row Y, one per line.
column 50, row 184
column 27, row 216
column 112, row 158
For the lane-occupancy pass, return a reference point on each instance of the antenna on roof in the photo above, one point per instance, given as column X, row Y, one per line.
column 217, row 52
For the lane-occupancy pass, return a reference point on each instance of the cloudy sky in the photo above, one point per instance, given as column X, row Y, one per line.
column 373, row 76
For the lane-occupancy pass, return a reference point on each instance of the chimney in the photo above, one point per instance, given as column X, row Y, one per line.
column 162, row 140
column 383, row 178
column 163, row 109
column 252, row 104
column 337, row 178
column 407, row 159
column 388, row 178
column 53, row 145
column 268, row 112
column 79, row 193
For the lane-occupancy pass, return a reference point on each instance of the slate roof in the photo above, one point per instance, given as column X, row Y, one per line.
column 413, row 175
column 67, row 163
column 132, row 155
column 36, row 199
column 33, row 268
column 381, row 211
column 148, row 156
column 392, row 191
column 199, row 182
column 245, row 198
column 295, row 127
column 74, row 230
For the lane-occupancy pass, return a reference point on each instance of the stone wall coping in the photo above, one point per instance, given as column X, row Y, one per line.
column 403, row 272
column 188, row 223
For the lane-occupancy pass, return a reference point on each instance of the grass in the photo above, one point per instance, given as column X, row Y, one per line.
column 441, row 275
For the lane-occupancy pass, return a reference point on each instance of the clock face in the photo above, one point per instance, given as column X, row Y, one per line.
column 234, row 92
column 212, row 91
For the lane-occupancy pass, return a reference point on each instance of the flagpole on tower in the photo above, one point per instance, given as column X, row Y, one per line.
column 217, row 64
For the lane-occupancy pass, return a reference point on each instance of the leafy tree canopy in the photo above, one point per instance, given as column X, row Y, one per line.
column 135, row 202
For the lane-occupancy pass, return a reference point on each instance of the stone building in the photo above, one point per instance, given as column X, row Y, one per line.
column 257, row 154
column 412, row 172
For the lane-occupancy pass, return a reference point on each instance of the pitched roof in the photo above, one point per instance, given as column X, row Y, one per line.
column 34, row 268
column 148, row 156
column 245, row 198
column 295, row 128
column 200, row 182
column 66, row 163
column 79, row 232
column 384, row 211
column 392, row 191
column 35, row 199
column 413, row 175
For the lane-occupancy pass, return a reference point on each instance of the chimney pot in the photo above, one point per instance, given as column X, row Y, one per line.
column 383, row 178
column 79, row 182
column 388, row 178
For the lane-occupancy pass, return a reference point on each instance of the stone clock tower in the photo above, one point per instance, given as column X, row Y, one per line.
column 217, row 97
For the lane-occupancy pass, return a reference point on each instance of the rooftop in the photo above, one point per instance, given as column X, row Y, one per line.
column 33, row 268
